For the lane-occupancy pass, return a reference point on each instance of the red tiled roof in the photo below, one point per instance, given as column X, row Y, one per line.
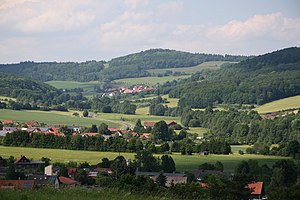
column 8, row 121
column 113, row 129
column 146, row 135
column 149, row 124
column 107, row 170
column 67, row 181
column 256, row 188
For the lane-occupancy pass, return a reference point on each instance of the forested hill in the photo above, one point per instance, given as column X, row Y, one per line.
column 135, row 65
column 22, row 88
column 254, row 81
column 47, row 71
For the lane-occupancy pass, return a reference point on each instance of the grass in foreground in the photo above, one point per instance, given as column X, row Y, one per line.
column 73, row 194
column 282, row 104
column 183, row 162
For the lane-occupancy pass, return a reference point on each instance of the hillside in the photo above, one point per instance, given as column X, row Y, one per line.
column 135, row 65
column 48, row 71
column 23, row 88
column 257, row 80
column 130, row 66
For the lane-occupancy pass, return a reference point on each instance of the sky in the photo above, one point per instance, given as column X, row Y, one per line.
column 81, row 30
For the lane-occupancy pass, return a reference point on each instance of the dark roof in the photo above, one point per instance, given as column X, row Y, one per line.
column 23, row 160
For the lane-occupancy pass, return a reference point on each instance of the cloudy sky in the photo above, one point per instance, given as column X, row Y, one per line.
column 79, row 30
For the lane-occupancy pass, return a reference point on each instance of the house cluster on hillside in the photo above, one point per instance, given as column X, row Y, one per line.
column 127, row 90
column 273, row 115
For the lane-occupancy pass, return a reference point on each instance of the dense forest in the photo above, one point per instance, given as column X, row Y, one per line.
column 253, row 81
column 48, row 71
column 134, row 65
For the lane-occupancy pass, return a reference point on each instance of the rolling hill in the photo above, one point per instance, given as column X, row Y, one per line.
column 256, row 80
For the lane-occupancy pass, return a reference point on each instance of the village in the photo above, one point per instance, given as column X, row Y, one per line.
column 29, row 174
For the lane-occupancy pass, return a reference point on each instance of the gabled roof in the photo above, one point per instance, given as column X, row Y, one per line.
column 67, row 181
column 256, row 188
column 22, row 158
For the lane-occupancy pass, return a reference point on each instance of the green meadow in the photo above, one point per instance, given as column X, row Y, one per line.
column 151, row 81
column 52, row 117
column 88, row 87
column 183, row 162
column 190, row 70
column 282, row 104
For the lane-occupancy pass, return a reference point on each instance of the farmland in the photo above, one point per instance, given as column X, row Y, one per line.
column 183, row 162
column 88, row 87
column 52, row 118
column 56, row 117
column 282, row 104
column 190, row 70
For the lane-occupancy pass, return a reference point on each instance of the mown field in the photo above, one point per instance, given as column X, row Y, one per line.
column 88, row 87
column 52, row 118
column 190, row 70
column 150, row 81
column 74, row 194
column 55, row 117
column 183, row 162
column 282, row 104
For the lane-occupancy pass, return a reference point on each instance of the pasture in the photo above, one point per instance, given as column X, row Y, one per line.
column 279, row 105
column 52, row 117
column 190, row 70
column 88, row 87
column 150, row 81
column 183, row 162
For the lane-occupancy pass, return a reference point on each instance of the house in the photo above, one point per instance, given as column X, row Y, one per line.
column 17, row 184
column 171, row 178
column 32, row 124
column 27, row 166
column 149, row 124
column 106, row 137
column 145, row 135
column 9, row 129
column 201, row 174
column 8, row 121
column 43, row 180
column 93, row 174
column 67, row 181
column 49, row 171
column 257, row 190
column 75, row 128
column 90, row 134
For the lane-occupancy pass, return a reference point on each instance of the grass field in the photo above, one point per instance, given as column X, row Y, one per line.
column 78, row 193
column 88, row 87
column 2, row 98
column 183, row 162
column 151, row 81
column 131, row 119
column 190, row 70
column 282, row 104
column 53, row 117
column 199, row 130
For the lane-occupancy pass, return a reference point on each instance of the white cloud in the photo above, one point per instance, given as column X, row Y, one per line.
column 44, row 16
column 273, row 25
